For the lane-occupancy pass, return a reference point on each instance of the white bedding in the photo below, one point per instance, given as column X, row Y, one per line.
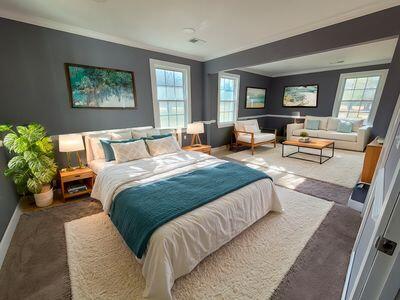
column 179, row 245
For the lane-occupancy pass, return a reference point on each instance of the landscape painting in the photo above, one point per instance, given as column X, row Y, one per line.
column 255, row 97
column 95, row 87
column 301, row 96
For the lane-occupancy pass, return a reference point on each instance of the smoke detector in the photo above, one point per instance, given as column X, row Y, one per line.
column 189, row 30
column 197, row 41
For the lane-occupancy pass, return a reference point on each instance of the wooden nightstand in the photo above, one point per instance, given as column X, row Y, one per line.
column 78, row 176
column 200, row 148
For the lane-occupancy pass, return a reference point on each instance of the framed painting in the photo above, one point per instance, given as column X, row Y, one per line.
column 97, row 87
column 301, row 96
column 255, row 97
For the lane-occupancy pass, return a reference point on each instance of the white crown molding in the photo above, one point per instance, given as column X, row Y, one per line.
column 355, row 13
column 91, row 34
column 271, row 116
column 322, row 69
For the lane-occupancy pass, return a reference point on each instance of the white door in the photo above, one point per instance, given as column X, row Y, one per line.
column 366, row 261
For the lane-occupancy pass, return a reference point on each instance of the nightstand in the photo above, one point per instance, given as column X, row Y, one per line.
column 80, row 176
column 199, row 148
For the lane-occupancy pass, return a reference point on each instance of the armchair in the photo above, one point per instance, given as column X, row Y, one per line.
column 249, row 134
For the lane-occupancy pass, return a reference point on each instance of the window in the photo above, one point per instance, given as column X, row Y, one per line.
column 171, row 94
column 228, row 98
column 358, row 95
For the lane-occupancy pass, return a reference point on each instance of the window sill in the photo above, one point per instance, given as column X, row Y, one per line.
column 223, row 125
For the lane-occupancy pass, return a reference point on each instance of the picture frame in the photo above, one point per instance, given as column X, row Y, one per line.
column 300, row 96
column 100, row 87
column 255, row 97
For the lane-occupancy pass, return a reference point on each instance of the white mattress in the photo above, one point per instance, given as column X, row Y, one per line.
column 178, row 246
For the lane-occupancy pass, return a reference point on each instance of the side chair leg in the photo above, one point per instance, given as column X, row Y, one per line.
column 252, row 149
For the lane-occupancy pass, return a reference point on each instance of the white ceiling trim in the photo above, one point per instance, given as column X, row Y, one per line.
column 91, row 34
column 358, row 12
column 322, row 69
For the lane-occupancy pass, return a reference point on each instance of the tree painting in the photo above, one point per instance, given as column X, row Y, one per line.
column 100, row 87
column 300, row 96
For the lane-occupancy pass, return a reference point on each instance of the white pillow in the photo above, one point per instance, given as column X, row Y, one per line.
column 97, row 148
column 122, row 135
column 332, row 124
column 124, row 152
column 163, row 146
column 138, row 134
column 356, row 123
column 250, row 128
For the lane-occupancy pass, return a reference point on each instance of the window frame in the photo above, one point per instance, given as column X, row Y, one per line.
column 235, row 77
column 185, row 69
column 382, row 73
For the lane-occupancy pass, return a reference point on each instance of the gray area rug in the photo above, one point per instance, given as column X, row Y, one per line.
column 313, row 187
column 36, row 264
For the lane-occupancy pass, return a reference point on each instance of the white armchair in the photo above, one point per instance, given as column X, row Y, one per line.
column 248, row 133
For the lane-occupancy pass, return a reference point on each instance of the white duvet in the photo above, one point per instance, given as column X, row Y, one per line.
column 178, row 246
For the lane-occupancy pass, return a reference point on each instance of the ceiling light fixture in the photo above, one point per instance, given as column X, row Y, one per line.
column 189, row 30
column 197, row 41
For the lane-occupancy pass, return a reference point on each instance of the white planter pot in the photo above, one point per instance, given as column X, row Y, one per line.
column 44, row 199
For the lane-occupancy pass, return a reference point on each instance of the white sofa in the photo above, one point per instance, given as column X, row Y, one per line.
column 355, row 140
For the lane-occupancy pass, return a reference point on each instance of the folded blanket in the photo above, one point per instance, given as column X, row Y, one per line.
column 138, row 211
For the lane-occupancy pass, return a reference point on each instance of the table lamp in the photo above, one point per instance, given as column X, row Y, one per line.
column 71, row 143
column 195, row 129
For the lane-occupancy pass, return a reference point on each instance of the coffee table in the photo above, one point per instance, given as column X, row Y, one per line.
column 313, row 144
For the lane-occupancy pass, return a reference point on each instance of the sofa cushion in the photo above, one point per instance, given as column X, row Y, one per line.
column 340, row 136
column 312, row 124
column 332, row 124
column 323, row 121
column 258, row 137
column 240, row 125
column 311, row 133
column 344, row 126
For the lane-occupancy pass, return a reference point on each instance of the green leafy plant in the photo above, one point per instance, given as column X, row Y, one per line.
column 303, row 134
column 32, row 165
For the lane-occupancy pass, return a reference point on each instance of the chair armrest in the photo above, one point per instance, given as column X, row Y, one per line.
column 246, row 132
column 363, row 135
column 291, row 127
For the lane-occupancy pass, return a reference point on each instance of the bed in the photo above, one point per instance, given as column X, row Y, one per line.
column 178, row 246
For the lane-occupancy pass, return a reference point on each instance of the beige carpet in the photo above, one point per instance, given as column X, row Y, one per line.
column 251, row 265
column 343, row 169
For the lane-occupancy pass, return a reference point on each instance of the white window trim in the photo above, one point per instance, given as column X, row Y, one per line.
column 236, row 113
column 154, row 63
column 342, row 80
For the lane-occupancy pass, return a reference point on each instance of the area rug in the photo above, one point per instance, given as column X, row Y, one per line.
column 313, row 187
column 343, row 169
column 252, row 264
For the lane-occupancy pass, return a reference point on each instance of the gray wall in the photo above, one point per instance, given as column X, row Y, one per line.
column 32, row 69
column 8, row 196
column 327, row 81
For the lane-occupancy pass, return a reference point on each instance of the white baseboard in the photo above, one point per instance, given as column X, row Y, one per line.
column 358, row 206
column 8, row 234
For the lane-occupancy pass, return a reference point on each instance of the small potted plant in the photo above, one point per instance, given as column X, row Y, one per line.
column 304, row 138
column 32, row 167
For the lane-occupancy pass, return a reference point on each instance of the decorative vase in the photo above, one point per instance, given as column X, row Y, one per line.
column 304, row 139
column 45, row 198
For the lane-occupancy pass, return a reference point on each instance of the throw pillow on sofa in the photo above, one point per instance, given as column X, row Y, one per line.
column 344, row 127
column 312, row 124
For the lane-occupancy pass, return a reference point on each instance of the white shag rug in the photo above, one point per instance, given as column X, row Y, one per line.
column 250, row 266
column 343, row 169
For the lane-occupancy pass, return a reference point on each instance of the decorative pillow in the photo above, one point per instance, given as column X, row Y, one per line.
column 332, row 124
column 323, row 121
column 344, row 126
column 97, row 149
column 356, row 123
column 108, row 151
column 162, row 146
column 122, row 135
column 160, row 136
column 124, row 152
column 250, row 128
column 312, row 124
column 137, row 134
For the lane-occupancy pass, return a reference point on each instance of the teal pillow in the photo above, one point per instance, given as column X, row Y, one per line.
column 108, row 151
column 160, row 136
column 345, row 127
column 312, row 124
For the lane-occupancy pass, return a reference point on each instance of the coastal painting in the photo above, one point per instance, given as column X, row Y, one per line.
column 96, row 87
column 255, row 97
column 301, row 96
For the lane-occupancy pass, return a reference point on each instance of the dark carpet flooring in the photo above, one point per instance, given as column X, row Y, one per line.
column 36, row 264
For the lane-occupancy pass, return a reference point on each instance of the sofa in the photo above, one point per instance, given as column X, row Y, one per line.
column 355, row 140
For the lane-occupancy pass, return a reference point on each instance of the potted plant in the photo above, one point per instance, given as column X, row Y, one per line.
column 32, row 167
column 304, row 138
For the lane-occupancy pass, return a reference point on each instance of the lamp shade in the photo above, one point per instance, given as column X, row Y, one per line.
column 70, row 143
column 195, row 128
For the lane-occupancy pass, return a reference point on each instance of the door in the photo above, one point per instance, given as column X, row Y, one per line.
column 380, row 207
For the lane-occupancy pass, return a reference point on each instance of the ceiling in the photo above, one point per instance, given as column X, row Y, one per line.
column 375, row 53
column 227, row 26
